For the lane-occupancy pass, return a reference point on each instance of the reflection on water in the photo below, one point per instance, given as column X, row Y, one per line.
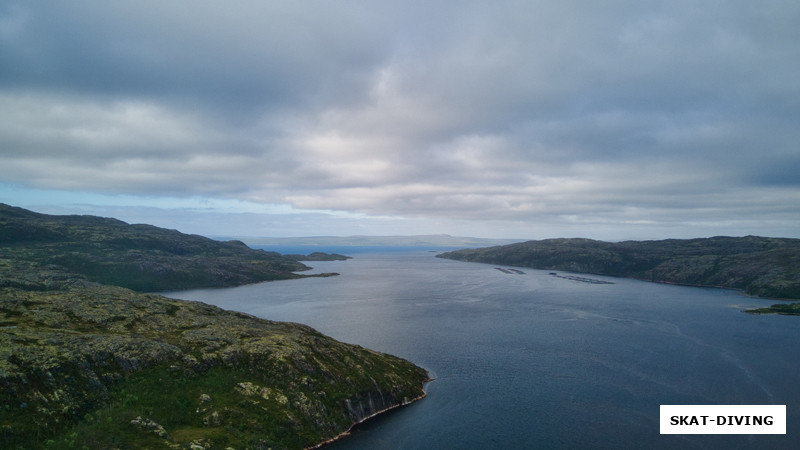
column 535, row 361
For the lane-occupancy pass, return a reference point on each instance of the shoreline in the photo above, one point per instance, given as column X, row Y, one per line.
column 741, row 291
column 347, row 432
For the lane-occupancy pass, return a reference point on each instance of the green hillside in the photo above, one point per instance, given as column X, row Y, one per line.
column 759, row 266
column 85, row 363
column 139, row 257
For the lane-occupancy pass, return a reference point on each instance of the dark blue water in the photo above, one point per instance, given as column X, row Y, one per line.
column 535, row 361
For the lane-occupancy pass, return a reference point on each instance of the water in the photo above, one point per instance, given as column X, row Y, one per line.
column 535, row 361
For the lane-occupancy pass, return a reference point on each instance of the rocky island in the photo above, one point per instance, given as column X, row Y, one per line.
column 89, row 360
column 759, row 266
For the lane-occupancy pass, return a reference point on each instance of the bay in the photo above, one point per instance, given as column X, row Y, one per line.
column 532, row 360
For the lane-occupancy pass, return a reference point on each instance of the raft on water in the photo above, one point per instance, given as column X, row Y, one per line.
column 510, row 271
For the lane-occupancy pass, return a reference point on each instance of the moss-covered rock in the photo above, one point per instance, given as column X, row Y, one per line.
column 91, row 365
column 74, row 359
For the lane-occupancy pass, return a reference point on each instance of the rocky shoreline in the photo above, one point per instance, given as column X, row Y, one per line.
column 349, row 431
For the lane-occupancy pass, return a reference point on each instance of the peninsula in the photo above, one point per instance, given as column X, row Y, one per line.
column 759, row 266
column 319, row 256
column 88, row 359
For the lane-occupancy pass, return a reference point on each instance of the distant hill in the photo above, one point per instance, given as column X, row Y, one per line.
column 431, row 240
column 759, row 266
column 319, row 256
column 85, row 363
column 139, row 257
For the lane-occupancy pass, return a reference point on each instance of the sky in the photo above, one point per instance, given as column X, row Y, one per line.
column 508, row 119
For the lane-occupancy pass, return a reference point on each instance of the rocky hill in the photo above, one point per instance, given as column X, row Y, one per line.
column 139, row 257
column 91, row 365
column 759, row 266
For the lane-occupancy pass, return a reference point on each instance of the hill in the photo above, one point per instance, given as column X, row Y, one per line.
column 90, row 365
column 139, row 257
column 759, row 266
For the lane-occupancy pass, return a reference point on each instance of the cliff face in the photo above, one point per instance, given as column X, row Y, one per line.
column 88, row 364
column 765, row 267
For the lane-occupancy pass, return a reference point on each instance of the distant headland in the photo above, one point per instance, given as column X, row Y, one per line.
column 759, row 266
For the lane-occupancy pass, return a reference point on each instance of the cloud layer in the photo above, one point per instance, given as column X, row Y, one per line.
column 662, row 114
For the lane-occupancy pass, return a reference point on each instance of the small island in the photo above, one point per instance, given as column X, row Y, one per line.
column 89, row 359
column 784, row 309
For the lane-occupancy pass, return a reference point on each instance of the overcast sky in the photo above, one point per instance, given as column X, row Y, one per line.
column 525, row 119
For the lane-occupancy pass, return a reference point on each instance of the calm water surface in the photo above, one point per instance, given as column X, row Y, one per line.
column 535, row 361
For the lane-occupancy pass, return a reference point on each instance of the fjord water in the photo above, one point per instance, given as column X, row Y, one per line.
column 535, row 361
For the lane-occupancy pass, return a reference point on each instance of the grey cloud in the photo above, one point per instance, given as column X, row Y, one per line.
column 247, row 55
column 624, row 110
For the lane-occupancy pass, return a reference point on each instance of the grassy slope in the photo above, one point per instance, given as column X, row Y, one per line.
column 84, row 364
